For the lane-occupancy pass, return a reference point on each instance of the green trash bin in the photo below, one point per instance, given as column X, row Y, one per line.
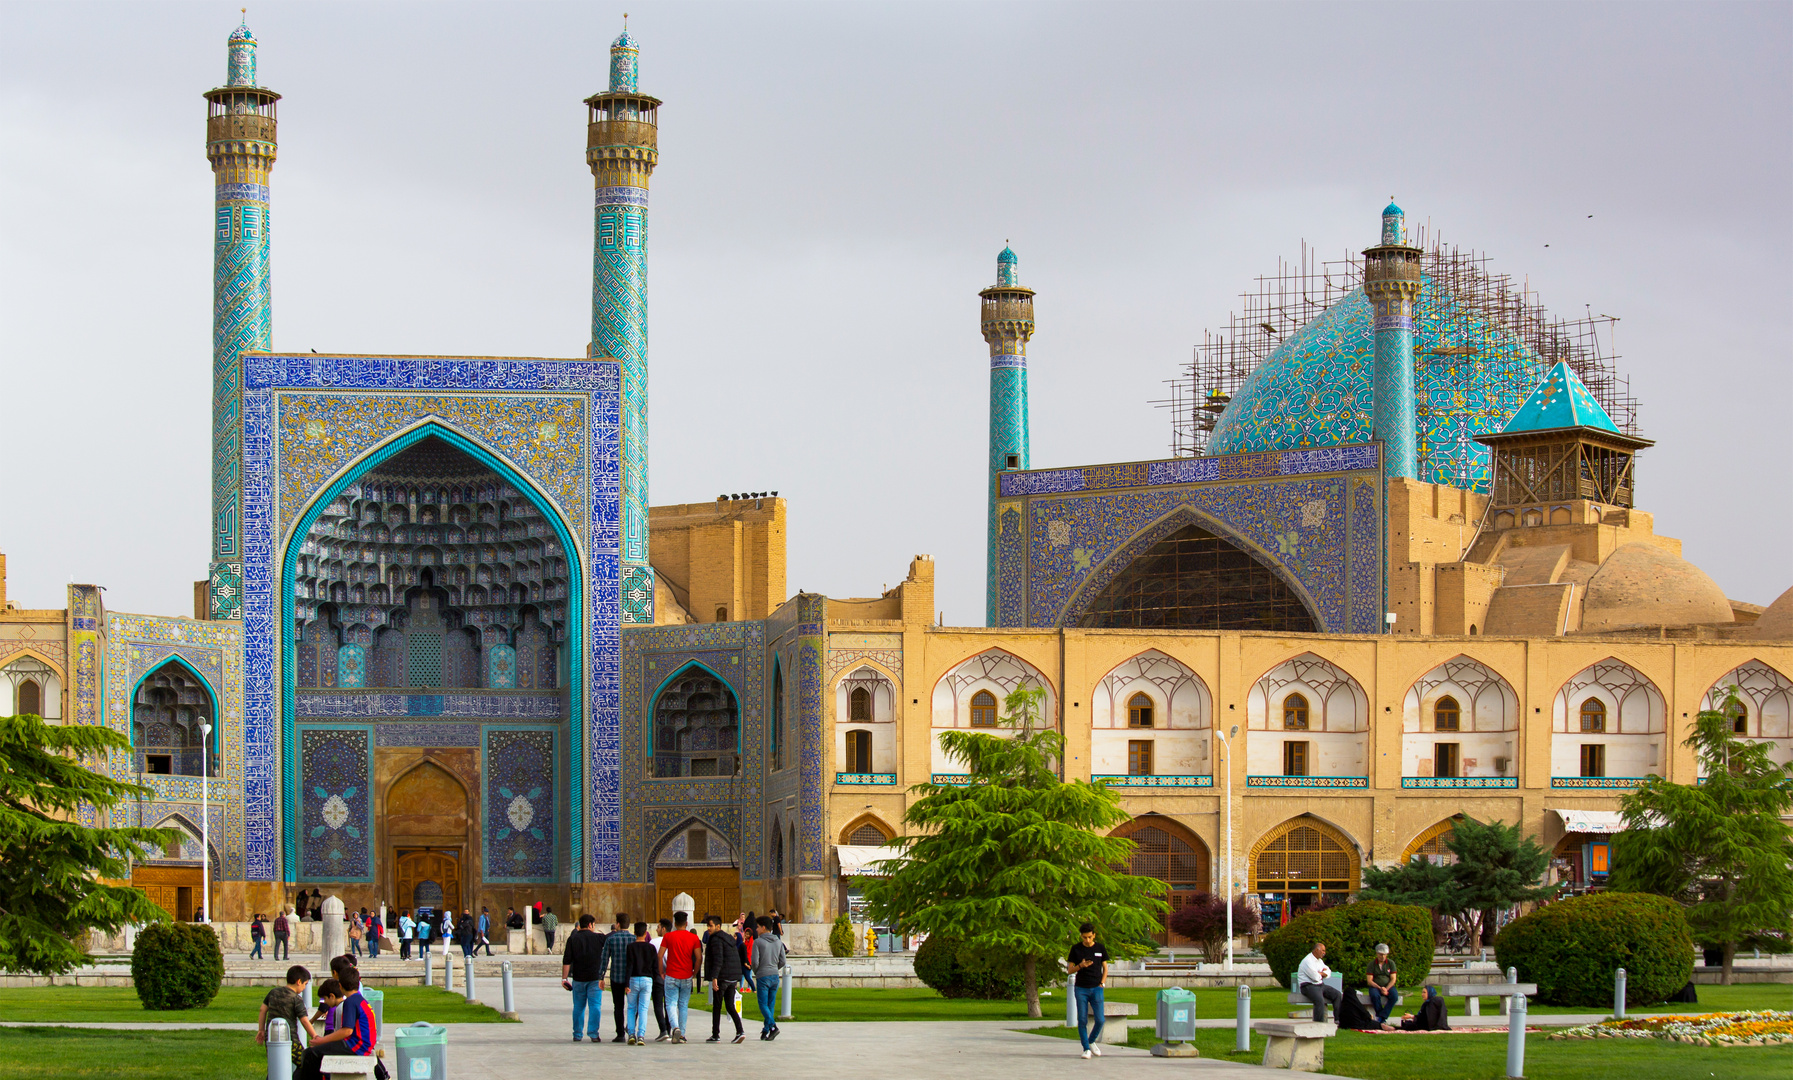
column 376, row 998
column 422, row 1051
column 1176, row 1014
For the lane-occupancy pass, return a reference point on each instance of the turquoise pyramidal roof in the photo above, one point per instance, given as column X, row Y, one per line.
column 1560, row 401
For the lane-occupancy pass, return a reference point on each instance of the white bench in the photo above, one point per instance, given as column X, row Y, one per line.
column 1472, row 994
column 348, row 1065
column 1334, row 980
column 1298, row 1045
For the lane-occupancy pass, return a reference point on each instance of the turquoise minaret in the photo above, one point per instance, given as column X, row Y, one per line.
column 1007, row 321
column 1391, row 282
column 622, row 147
column 240, row 141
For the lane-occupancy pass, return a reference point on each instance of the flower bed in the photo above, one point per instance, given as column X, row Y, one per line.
column 1765, row 1028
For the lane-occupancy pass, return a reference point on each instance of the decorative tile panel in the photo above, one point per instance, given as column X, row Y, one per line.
column 1459, row 781
column 336, row 803
column 1125, row 780
column 1566, row 783
column 519, row 808
column 1318, row 782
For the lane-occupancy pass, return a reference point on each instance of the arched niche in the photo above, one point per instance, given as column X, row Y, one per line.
column 696, row 858
column 172, row 705
column 1156, row 700
column 995, row 672
column 1308, row 717
column 1459, row 720
column 1430, row 843
column 428, row 818
column 868, row 829
column 1607, row 721
column 865, row 710
column 1764, row 708
column 1299, row 862
column 29, row 684
column 696, row 725
column 1169, row 851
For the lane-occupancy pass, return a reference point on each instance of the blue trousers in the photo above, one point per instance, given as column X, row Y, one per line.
column 641, row 990
column 767, row 989
column 1089, row 998
column 1383, row 1002
column 585, row 993
column 678, row 1002
column 256, row 952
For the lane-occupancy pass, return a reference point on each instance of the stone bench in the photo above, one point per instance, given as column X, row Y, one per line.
column 1472, row 993
column 348, row 1065
column 1115, row 1016
column 1334, row 980
column 1298, row 1045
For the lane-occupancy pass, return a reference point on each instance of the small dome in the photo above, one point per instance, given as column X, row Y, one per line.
column 1007, row 256
column 242, row 33
column 1776, row 623
column 624, row 41
column 1643, row 585
column 1391, row 208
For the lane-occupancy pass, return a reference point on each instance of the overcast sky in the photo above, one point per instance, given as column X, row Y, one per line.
column 834, row 184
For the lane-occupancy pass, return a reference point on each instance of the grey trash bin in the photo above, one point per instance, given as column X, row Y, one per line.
column 376, row 998
column 422, row 1051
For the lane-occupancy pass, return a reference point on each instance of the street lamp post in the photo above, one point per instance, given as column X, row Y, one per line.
column 205, row 820
column 1225, row 740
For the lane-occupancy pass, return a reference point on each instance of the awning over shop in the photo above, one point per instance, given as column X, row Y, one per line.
column 1604, row 822
column 856, row 860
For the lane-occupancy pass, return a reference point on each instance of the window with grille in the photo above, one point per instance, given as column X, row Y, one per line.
column 1445, row 759
column 1194, row 580
column 1294, row 759
column 1139, row 757
column 859, row 751
column 1593, row 759
column 1159, row 854
column 1294, row 713
column 697, row 845
column 1304, row 859
column 1139, row 711
column 868, row 835
column 860, row 705
column 1739, row 718
column 983, row 709
column 1446, row 716
column 423, row 660
column 1593, row 716
column 168, row 713
column 31, row 699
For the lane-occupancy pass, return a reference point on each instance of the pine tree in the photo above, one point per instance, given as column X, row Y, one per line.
column 50, row 863
column 1718, row 846
column 1012, row 862
column 1496, row 866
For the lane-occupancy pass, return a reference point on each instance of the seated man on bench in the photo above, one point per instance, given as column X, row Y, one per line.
column 356, row 1033
column 1310, row 982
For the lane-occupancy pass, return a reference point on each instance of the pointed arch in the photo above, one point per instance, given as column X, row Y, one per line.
column 1300, row 862
column 289, row 545
column 193, row 832
column 667, row 842
column 995, row 669
column 1608, row 720
column 1171, row 852
column 1150, row 714
column 695, row 724
column 1314, row 720
column 869, row 819
column 1430, row 841
column 212, row 717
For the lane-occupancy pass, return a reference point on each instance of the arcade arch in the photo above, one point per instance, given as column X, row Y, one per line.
column 1458, row 721
column 1607, row 721
column 1157, row 704
column 1299, row 862
column 1313, row 718
column 995, row 672
column 1764, row 709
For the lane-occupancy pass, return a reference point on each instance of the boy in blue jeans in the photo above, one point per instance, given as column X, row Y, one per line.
column 1089, row 963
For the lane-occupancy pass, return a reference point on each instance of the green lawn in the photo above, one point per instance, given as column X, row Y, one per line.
column 62, row 1053
column 1484, row 1057
column 234, row 1004
column 1268, row 1002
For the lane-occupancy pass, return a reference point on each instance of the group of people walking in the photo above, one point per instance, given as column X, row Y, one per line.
column 647, row 972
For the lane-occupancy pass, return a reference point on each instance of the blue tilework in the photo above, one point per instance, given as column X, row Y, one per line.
column 336, row 804
column 1008, row 435
column 519, row 804
column 1560, row 401
column 619, row 330
column 242, row 318
column 1193, row 470
column 422, row 734
column 812, row 854
column 271, row 383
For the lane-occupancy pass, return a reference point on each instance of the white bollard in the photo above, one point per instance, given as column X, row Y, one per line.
column 1512, row 977
column 1618, row 994
column 1242, row 1021
column 471, row 995
column 1516, row 1038
column 784, row 993
column 429, row 970
column 280, row 1051
column 510, row 998
column 310, row 1005
column 447, row 970
column 1070, row 1001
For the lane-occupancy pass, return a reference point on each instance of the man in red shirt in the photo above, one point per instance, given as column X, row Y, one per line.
column 356, row 1032
column 681, row 955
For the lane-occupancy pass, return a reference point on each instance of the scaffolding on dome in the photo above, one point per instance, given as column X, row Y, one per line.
column 1501, row 325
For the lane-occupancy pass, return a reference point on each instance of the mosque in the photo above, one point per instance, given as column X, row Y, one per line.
column 446, row 653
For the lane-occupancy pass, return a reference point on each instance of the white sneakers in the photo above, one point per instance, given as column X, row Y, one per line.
column 1096, row 1050
column 1086, row 1055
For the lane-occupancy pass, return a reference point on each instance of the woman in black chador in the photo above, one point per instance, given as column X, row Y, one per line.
column 1431, row 1016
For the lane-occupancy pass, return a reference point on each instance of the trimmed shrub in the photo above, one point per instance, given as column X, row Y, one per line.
column 946, row 965
column 1351, row 933
column 177, row 965
column 841, row 936
column 1572, row 948
column 1202, row 919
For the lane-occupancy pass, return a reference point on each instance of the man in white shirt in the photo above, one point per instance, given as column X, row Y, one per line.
column 1310, row 982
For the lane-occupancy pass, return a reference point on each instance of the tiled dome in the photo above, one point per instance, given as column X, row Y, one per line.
column 1314, row 390
column 242, row 33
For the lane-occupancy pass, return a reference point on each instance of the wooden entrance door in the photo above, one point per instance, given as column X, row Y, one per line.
column 429, row 878
column 713, row 891
column 171, row 888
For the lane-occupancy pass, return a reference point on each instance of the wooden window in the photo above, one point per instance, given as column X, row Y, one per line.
column 983, row 709
column 859, row 751
column 867, row 835
column 1446, row 716
column 1294, row 715
column 1294, row 758
column 1139, row 757
column 1593, row 718
column 1139, row 711
column 31, row 699
column 1445, row 759
column 860, row 701
column 1739, row 716
column 1593, row 759
column 721, row 614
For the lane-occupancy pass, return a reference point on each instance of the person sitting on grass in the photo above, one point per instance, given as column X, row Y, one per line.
column 357, row 1034
column 1432, row 1015
column 288, row 1003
